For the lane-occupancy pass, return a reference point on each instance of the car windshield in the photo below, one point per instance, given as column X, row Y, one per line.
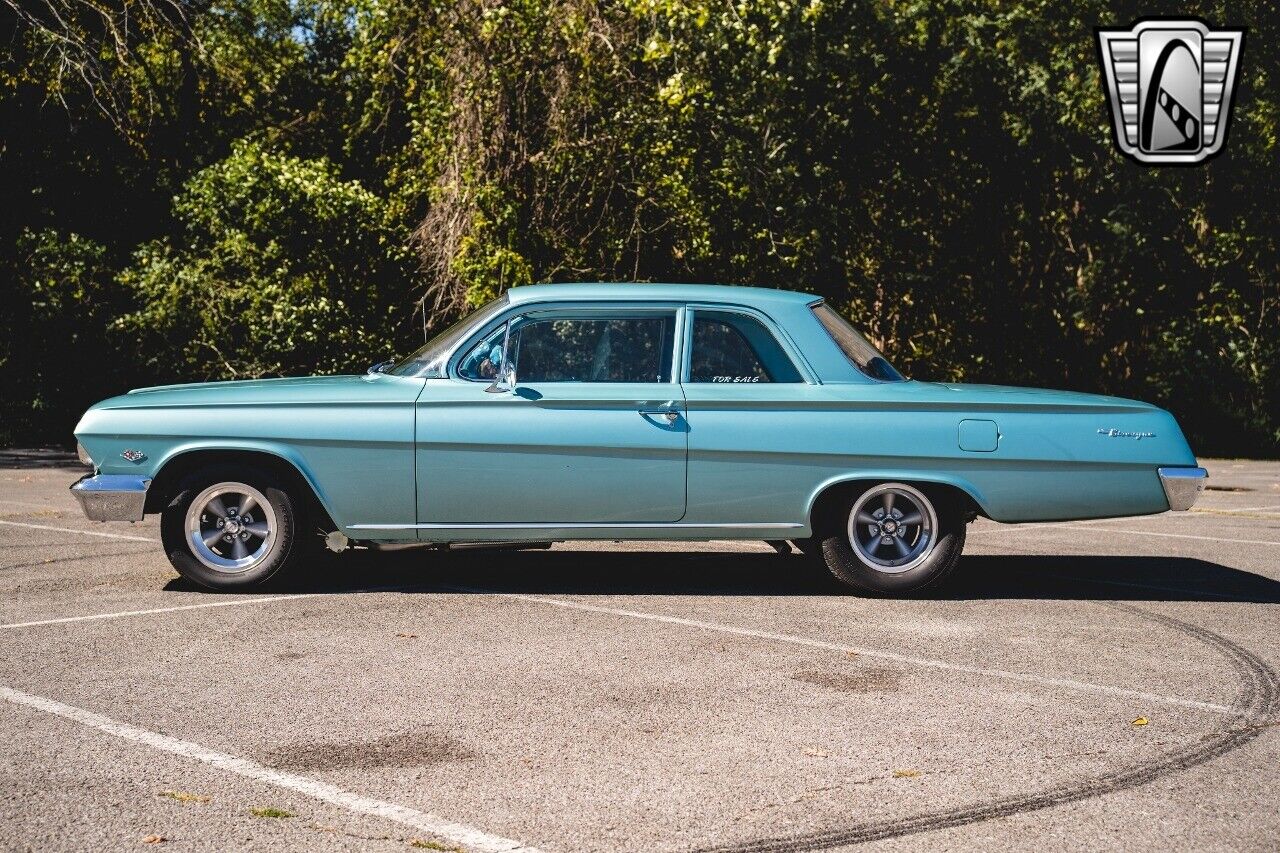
column 855, row 347
column 429, row 361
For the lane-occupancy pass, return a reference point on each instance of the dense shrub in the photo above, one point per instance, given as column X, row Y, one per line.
column 280, row 267
column 56, row 353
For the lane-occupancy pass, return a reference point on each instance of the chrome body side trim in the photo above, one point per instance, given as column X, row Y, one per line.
column 569, row 525
column 1182, row 486
column 112, row 497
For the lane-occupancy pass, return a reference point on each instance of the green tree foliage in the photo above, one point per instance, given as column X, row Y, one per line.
column 941, row 172
column 280, row 267
column 57, row 328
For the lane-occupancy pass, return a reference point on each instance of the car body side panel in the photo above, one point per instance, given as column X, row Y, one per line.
column 351, row 437
column 550, row 453
column 765, row 451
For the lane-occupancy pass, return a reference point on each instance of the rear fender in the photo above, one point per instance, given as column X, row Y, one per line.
column 897, row 475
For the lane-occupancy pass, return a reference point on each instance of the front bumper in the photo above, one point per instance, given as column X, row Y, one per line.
column 1182, row 486
column 112, row 497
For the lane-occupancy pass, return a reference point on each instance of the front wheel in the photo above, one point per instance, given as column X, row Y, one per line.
column 229, row 528
column 894, row 539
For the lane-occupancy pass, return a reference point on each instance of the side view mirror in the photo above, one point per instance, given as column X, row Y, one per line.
column 504, row 383
column 381, row 367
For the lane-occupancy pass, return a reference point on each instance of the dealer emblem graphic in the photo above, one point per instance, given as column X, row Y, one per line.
column 1170, row 84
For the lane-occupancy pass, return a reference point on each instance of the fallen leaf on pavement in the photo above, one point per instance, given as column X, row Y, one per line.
column 905, row 774
column 1141, row 721
column 154, row 839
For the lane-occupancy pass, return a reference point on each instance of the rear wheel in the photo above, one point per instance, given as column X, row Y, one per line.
column 894, row 539
column 229, row 528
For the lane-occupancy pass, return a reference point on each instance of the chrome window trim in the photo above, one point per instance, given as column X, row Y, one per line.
column 798, row 361
column 686, row 342
column 606, row 307
column 862, row 376
column 465, row 337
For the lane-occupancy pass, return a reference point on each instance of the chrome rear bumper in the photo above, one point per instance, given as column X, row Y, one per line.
column 112, row 497
column 1182, row 486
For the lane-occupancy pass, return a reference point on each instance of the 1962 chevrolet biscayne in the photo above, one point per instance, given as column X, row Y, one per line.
column 639, row 411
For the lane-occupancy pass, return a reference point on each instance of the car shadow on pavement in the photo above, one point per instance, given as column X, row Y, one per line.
column 1107, row 578
column 710, row 573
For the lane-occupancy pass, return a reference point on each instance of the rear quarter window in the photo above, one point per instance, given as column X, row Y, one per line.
column 856, row 348
column 731, row 348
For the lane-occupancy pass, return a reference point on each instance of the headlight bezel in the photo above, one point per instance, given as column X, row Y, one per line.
column 82, row 453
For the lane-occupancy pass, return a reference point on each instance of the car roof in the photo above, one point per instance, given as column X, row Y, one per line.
column 749, row 296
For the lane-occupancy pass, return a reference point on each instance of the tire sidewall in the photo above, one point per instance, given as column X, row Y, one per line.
column 174, row 536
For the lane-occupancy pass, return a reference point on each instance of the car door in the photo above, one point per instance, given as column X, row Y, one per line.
column 749, row 402
column 592, row 432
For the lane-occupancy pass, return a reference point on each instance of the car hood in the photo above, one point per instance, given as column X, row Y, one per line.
column 300, row 389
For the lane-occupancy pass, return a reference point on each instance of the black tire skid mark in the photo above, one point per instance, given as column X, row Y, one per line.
column 1258, row 705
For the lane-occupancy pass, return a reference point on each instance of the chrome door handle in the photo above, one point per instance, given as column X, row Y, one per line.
column 670, row 414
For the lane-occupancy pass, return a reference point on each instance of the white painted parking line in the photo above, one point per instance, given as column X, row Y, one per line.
column 1247, row 511
column 458, row 833
column 1179, row 535
column 27, row 503
column 74, row 530
column 120, row 614
column 875, row 654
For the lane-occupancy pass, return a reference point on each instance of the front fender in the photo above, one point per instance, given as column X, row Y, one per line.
column 283, row 452
column 357, row 455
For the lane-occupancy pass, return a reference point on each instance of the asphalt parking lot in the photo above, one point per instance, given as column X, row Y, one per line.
column 1080, row 686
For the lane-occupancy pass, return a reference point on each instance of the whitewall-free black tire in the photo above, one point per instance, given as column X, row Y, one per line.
column 894, row 538
column 229, row 527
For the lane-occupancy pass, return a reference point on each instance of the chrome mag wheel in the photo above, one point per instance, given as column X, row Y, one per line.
column 231, row 527
column 893, row 528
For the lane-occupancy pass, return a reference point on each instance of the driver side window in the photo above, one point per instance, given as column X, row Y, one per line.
column 627, row 348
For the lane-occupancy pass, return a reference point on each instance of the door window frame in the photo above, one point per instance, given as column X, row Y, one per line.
column 580, row 310
column 807, row 376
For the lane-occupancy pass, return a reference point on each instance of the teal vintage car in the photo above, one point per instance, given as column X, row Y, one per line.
column 638, row 411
